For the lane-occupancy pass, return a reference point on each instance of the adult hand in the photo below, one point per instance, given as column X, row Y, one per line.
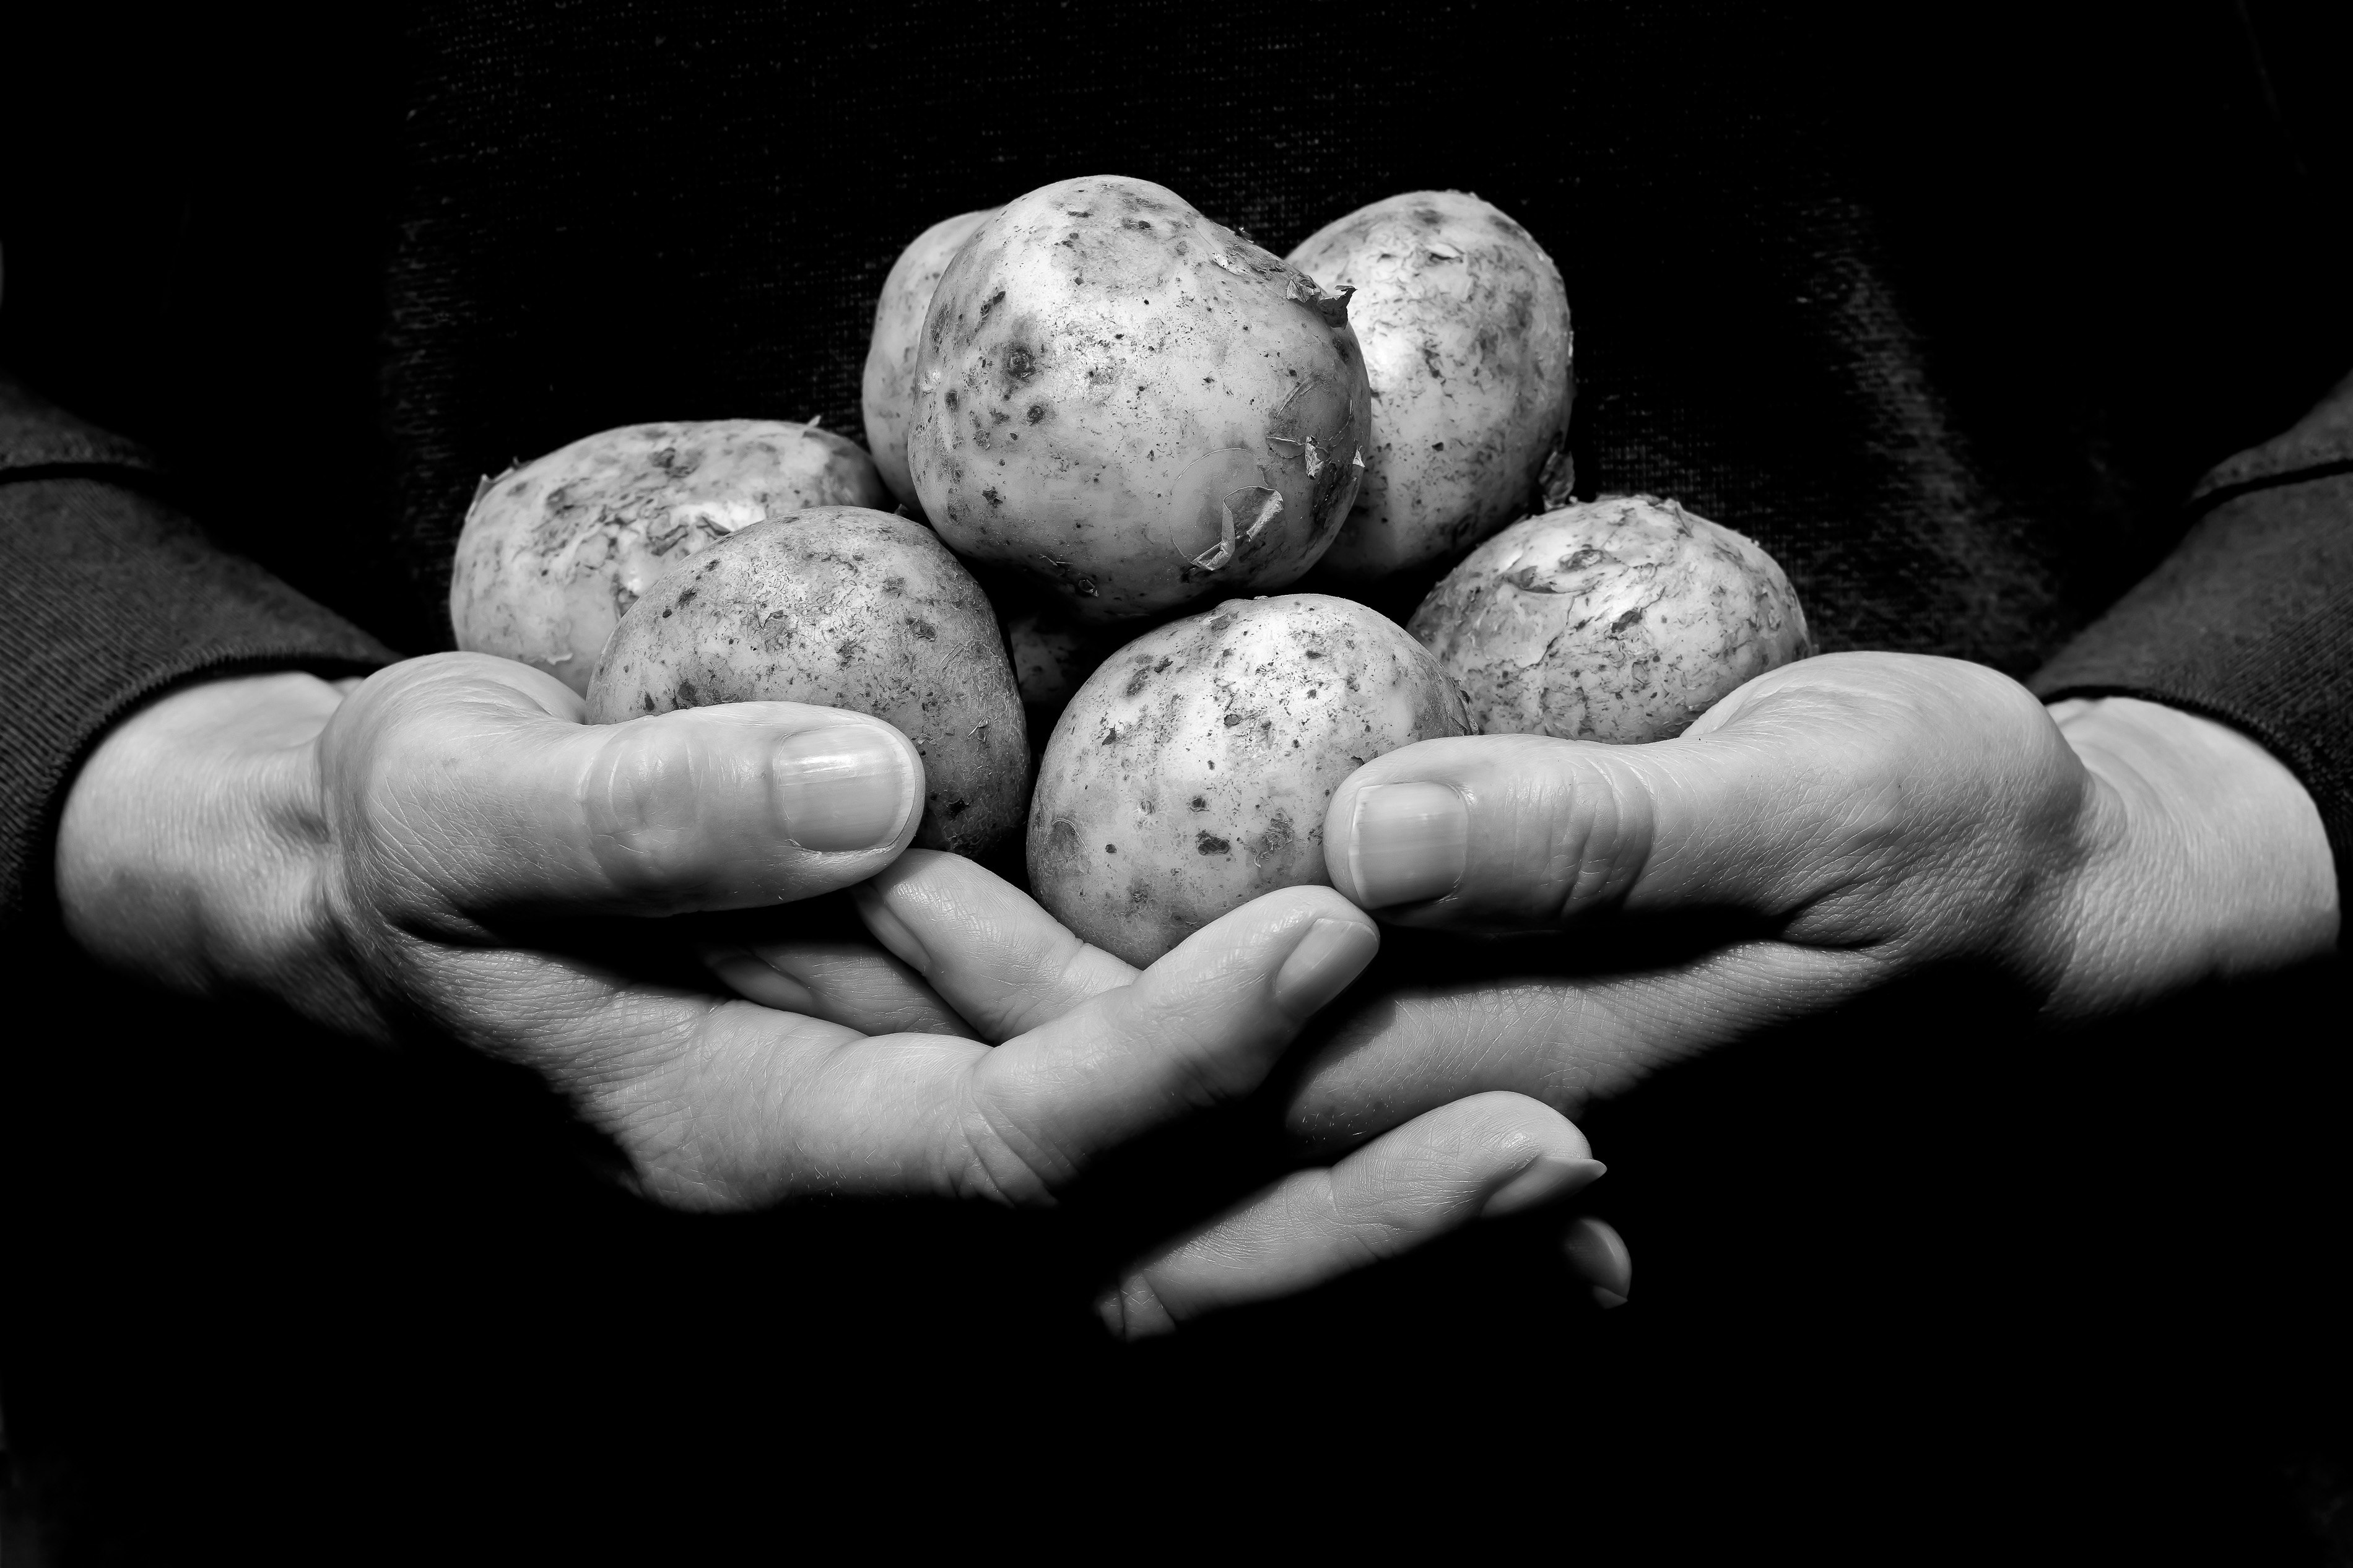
column 1840, row 823
column 419, row 848
column 963, row 944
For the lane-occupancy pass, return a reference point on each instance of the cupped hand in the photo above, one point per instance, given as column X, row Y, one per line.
column 964, row 944
column 1827, row 828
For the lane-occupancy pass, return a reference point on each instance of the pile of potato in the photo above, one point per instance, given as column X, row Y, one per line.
column 1139, row 425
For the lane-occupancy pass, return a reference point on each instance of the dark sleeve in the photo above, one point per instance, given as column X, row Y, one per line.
column 109, row 593
column 2251, row 620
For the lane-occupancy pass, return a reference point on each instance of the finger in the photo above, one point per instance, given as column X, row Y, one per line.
column 1562, row 1040
column 982, row 945
column 1599, row 1254
column 729, row 1104
column 852, row 983
column 1483, row 1157
column 1813, row 778
column 467, row 779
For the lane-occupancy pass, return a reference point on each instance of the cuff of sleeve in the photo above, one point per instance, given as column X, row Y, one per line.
column 109, row 596
column 2249, row 622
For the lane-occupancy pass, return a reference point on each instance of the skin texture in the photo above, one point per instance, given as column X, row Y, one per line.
column 1619, row 620
column 1858, row 817
column 384, row 857
column 888, row 393
column 841, row 607
column 556, row 551
column 1133, row 405
column 1865, row 815
column 1190, row 772
column 1465, row 328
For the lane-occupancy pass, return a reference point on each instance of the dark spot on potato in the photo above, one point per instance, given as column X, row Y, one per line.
column 1221, row 623
column 1018, row 363
column 957, row 808
column 1200, row 803
column 688, row 697
column 924, row 628
column 991, row 303
column 950, row 397
column 1111, row 849
column 893, row 586
column 1211, row 843
column 1037, row 411
column 992, row 497
column 1631, row 617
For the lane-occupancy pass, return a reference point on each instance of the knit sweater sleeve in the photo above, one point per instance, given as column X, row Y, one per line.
column 110, row 593
column 2251, row 620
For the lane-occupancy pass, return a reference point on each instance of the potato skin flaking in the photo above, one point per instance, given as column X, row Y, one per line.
column 1622, row 619
column 887, row 395
column 1466, row 327
column 841, row 607
column 556, row 549
column 1133, row 405
column 1190, row 774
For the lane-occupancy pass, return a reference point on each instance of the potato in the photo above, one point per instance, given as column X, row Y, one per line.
column 1133, row 405
column 890, row 386
column 1622, row 619
column 555, row 551
column 843, row 607
column 1190, row 772
column 1465, row 323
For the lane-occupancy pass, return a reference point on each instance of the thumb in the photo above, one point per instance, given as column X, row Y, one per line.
column 473, row 776
column 1521, row 832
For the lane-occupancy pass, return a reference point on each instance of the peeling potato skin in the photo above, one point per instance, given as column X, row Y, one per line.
column 843, row 607
column 1465, row 328
column 1622, row 620
column 555, row 551
column 1191, row 771
column 1105, row 375
column 888, row 391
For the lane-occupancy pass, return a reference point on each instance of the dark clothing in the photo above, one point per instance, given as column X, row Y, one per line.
column 1949, row 324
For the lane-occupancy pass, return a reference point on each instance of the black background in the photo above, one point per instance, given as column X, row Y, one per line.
column 1948, row 314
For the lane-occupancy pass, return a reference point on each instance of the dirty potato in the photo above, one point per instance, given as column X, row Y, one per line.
column 1191, row 771
column 555, row 551
column 1465, row 323
column 1133, row 405
column 890, row 386
column 1622, row 620
column 843, row 607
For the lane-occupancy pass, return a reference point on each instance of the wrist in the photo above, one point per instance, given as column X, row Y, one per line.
column 2208, row 858
column 192, row 842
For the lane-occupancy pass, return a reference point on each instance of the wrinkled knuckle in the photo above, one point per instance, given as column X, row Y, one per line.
column 997, row 1160
column 634, row 792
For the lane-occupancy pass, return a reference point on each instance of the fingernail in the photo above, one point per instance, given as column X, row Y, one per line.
column 1550, row 1179
column 1600, row 1257
column 889, row 930
column 1332, row 954
column 1407, row 842
column 1132, row 1310
column 847, row 787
